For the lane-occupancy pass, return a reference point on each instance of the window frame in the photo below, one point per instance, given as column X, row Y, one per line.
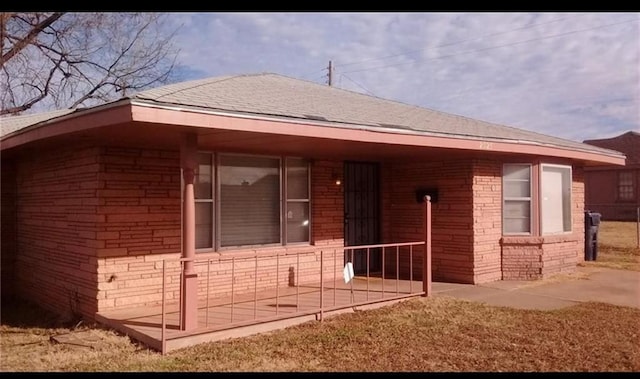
column 541, row 183
column 283, row 201
column 212, row 200
column 530, row 199
column 218, row 229
column 631, row 185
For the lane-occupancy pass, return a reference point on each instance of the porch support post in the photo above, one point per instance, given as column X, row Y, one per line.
column 426, row 261
column 189, row 300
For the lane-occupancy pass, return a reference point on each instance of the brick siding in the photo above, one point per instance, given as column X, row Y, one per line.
column 452, row 222
column 94, row 225
column 8, row 236
column 56, row 228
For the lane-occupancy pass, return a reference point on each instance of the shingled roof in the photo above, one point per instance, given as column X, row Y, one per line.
column 627, row 143
column 11, row 124
column 269, row 94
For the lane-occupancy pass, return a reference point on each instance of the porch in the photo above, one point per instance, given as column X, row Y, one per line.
column 310, row 285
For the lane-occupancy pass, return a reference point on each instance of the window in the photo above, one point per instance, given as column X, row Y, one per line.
column 516, row 184
column 203, row 191
column 555, row 188
column 258, row 200
column 249, row 200
column 625, row 186
column 297, row 200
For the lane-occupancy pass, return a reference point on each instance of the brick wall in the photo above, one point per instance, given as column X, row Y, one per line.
column 487, row 220
column 140, row 203
column 528, row 258
column 522, row 258
column 8, row 240
column 578, row 198
column 140, row 213
column 327, row 203
column 94, row 225
column 57, row 229
column 452, row 222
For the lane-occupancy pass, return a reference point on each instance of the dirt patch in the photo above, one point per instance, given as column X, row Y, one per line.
column 87, row 338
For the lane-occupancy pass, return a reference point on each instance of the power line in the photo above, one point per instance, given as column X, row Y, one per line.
column 494, row 47
column 307, row 76
column 457, row 42
column 358, row 84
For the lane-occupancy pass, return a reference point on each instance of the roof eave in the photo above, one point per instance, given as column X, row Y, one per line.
column 481, row 143
column 120, row 111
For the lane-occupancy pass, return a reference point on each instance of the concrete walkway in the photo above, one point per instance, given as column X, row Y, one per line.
column 618, row 287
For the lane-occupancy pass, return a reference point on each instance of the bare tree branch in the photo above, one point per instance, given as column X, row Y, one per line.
column 43, row 93
column 33, row 33
column 81, row 59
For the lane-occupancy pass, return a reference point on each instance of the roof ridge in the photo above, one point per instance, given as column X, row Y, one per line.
column 629, row 132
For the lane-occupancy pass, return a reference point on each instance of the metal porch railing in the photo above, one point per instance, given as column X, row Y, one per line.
column 245, row 289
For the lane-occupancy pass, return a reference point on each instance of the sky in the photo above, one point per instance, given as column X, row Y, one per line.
column 570, row 75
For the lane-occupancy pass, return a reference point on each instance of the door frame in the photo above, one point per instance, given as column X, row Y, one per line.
column 375, row 263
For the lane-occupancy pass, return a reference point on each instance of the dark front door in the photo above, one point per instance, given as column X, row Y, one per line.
column 361, row 213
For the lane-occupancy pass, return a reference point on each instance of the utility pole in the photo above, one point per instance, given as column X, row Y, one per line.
column 330, row 74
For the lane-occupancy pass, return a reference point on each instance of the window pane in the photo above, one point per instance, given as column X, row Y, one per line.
column 517, row 217
column 297, row 179
column 517, row 189
column 517, row 171
column 202, row 185
column 625, row 186
column 626, row 193
column 298, row 222
column 625, row 179
column 520, row 225
column 516, row 214
column 556, row 199
column 204, row 227
column 249, row 200
column 517, row 209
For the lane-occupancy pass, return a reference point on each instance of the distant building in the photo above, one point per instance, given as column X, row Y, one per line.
column 614, row 191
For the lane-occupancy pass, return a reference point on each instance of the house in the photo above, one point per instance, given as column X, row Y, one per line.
column 247, row 192
column 613, row 191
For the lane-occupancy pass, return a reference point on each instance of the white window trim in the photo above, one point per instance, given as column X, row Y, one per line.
column 285, row 208
column 541, row 183
column 530, row 199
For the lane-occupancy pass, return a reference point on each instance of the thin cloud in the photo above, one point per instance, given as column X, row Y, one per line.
column 578, row 86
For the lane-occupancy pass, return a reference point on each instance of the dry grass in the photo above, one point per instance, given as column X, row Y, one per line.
column 435, row 334
column 617, row 246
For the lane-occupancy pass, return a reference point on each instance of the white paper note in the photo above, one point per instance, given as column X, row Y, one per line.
column 348, row 272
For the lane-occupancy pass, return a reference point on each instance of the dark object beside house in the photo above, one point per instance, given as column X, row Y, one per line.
column 591, row 225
